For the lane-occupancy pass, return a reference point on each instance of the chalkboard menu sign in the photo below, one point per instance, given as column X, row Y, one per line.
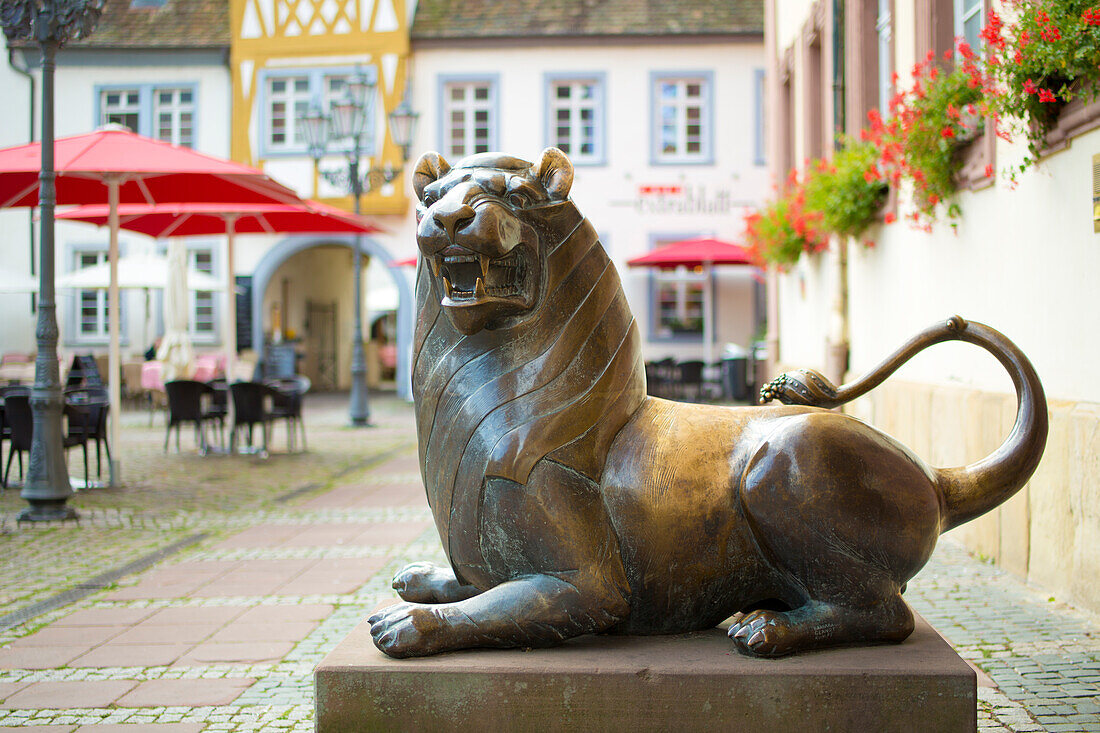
column 244, row 312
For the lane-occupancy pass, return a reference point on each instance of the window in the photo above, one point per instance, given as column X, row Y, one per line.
column 288, row 95
column 884, row 30
column 968, row 21
column 677, row 298
column 469, row 117
column 162, row 112
column 576, row 121
column 760, row 94
column 682, row 124
column 287, row 102
column 202, row 321
column 679, row 303
column 91, row 305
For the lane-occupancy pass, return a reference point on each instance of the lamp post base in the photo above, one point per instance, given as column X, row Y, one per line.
column 45, row 510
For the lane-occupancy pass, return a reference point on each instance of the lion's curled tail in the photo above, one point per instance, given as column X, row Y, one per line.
column 968, row 491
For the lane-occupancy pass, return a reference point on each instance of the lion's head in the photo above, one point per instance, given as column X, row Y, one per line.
column 477, row 227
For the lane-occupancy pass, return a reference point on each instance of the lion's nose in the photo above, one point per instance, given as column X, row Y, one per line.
column 453, row 220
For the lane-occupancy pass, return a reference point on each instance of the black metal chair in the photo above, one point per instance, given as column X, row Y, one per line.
column 89, row 408
column 5, row 427
column 690, row 383
column 251, row 401
column 185, row 405
column 217, row 411
column 17, row 414
column 287, row 398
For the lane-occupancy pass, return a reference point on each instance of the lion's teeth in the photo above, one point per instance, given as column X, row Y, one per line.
column 479, row 288
column 447, row 289
column 435, row 265
column 484, row 266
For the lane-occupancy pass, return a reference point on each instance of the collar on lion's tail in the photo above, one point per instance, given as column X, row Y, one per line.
column 558, row 385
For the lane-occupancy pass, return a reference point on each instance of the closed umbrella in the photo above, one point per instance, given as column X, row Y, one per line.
column 113, row 165
column 175, row 350
column 202, row 219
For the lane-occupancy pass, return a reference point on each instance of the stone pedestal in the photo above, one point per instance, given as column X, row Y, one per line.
column 656, row 683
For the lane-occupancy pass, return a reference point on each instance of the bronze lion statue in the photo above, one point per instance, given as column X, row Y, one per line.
column 569, row 502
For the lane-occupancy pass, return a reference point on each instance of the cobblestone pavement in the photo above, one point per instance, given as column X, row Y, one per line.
column 200, row 596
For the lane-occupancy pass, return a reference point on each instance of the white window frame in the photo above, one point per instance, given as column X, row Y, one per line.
column 574, row 107
column 681, row 279
column 203, row 298
column 469, row 106
column 884, row 31
column 321, row 92
column 964, row 14
column 147, row 107
column 74, row 335
column 759, row 155
column 679, row 107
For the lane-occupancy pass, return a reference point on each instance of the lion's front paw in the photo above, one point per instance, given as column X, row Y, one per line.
column 410, row 630
column 763, row 634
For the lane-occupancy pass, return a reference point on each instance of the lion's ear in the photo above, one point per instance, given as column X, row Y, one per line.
column 430, row 167
column 555, row 170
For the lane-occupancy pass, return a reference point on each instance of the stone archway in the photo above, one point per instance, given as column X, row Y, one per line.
column 287, row 248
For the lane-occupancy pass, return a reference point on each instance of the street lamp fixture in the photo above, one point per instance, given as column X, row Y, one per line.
column 347, row 126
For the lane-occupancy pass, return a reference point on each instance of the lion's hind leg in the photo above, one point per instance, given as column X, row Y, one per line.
column 767, row 633
column 845, row 518
column 425, row 582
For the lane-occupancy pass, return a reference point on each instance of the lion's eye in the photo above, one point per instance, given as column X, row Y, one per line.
column 518, row 200
column 428, row 200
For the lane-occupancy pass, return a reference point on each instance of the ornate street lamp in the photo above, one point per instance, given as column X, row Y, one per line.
column 349, row 119
column 49, row 23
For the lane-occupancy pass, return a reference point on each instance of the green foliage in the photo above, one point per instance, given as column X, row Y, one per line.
column 847, row 191
column 1049, row 56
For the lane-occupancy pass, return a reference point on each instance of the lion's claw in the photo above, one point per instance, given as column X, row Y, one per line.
column 762, row 634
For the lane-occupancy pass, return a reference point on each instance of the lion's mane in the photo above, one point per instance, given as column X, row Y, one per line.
column 558, row 385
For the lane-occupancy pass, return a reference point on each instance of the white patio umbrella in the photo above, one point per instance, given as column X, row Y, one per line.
column 175, row 348
column 137, row 272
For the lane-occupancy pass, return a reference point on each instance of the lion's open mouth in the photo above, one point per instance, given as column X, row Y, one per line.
column 469, row 277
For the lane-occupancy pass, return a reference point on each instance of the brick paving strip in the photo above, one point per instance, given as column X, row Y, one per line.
column 223, row 635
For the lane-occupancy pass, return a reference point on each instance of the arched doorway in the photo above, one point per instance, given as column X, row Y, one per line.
column 277, row 255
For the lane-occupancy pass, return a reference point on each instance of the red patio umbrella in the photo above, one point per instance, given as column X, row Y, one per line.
column 230, row 219
column 114, row 165
column 407, row 262
column 694, row 253
column 702, row 252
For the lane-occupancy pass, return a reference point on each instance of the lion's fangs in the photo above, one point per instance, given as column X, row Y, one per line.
column 456, row 285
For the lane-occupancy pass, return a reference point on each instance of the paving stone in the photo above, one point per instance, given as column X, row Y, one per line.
column 38, row 657
column 132, row 655
column 188, row 693
column 243, row 652
column 61, row 695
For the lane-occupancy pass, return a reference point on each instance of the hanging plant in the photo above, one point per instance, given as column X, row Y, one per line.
column 1048, row 57
column 930, row 123
column 848, row 191
column 780, row 231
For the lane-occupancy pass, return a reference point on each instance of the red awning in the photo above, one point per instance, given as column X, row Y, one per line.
column 194, row 219
column 694, row 253
column 407, row 262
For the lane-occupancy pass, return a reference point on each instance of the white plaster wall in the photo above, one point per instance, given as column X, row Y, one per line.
column 1023, row 260
column 790, row 17
column 606, row 193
